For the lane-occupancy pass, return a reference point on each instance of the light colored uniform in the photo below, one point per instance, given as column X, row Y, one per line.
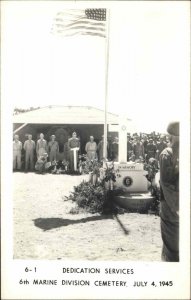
column 53, row 149
column 91, row 148
column 41, row 147
column 29, row 147
column 17, row 147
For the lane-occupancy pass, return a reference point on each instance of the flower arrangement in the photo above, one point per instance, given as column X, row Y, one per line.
column 139, row 160
column 82, row 165
column 59, row 167
column 152, row 168
column 117, row 173
column 65, row 163
column 109, row 172
column 95, row 166
column 89, row 166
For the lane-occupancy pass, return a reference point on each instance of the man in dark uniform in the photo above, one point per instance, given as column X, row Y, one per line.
column 100, row 149
column 161, row 145
column 66, row 152
column 138, row 148
column 145, row 143
column 169, row 183
column 74, row 147
column 115, row 149
column 129, row 147
column 109, row 146
column 151, row 150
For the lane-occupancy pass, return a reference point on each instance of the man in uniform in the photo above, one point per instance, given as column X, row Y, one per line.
column 66, row 152
column 53, row 148
column 17, row 147
column 91, row 148
column 161, row 145
column 40, row 165
column 169, row 182
column 41, row 146
column 138, row 148
column 151, row 150
column 100, row 149
column 29, row 147
column 115, row 149
column 73, row 142
column 109, row 146
column 145, row 142
column 129, row 147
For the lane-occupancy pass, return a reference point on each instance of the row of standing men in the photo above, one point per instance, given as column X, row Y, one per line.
column 51, row 149
column 135, row 149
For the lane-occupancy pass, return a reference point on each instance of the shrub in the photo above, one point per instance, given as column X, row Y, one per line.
column 91, row 198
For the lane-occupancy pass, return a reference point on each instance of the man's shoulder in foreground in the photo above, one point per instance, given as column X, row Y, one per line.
column 166, row 152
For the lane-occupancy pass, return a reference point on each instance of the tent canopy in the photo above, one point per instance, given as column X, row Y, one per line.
column 65, row 115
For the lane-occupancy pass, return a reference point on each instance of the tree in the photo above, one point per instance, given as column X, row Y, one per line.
column 22, row 110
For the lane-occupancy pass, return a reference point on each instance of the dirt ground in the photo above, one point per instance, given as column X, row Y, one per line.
column 44, row 228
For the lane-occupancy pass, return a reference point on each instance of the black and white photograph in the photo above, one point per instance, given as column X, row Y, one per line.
column 95, row 131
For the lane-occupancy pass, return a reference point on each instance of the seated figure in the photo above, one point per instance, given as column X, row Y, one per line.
column 41, row 163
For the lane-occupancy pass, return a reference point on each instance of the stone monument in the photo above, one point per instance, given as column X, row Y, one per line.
column 130, row 176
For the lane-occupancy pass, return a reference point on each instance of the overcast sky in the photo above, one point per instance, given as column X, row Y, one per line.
column 148, row 60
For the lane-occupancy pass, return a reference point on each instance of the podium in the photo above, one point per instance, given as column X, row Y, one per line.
column 75, row 151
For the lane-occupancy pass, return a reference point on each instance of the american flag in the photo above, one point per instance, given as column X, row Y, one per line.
column 80, row 22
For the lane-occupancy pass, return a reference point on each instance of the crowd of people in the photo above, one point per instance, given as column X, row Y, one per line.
column 36, row 155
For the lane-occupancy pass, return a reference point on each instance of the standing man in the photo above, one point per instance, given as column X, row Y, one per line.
column 100, row 149
column 66, row 152
column 145, row 143
column 169, row 182
column 74, row 147
column 109, row 146
column 151, row 150
column 115, row 149
column 41, row 146
column 17, row 147
column 138, row 148
column 53, row 148
column 161, row 145
column 91, row 148
column 29, row 147
column 129, row 147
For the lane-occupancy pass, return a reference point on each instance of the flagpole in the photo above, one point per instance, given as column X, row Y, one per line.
column 106, row 82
